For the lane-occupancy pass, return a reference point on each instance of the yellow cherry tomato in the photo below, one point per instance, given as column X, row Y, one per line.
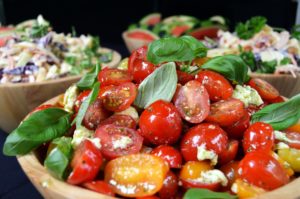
column 284, row 164
column 245, row 190
column 193, row 169
column 291, row 156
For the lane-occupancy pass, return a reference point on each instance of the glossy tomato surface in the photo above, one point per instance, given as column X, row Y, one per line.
column 184, row 77
column 112, row 76
column 171, row 155
column 230, row 170
column 265, row 89
column 229, row 153
column 120, row 120
column 170, row 187
column 100, row 186
column 237, row 129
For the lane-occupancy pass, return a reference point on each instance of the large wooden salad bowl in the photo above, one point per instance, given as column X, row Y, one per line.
column 50, row 187
column 17, row 100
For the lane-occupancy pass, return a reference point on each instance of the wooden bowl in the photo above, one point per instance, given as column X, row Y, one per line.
column 50, row 187
column 286, row 84
column 18, row 99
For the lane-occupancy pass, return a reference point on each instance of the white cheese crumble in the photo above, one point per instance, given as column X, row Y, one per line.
column 121, row 142
column 247, row 95
column 96, row 142
column 53, row 72
column 80, row 134
column 270, row 55
column 281, row 145
column 234, row 188
column 212, row 176
column 70, row 98
column 203, row 154
column 131, row 112
column 282, row 137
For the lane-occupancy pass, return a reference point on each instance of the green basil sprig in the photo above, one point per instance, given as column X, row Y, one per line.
column 231, row 66
column 161, row 84
column 39, row 127
column 59, row 157
column 89, row 79
column 280, row 115
column 195, row 193
column 252, row 26
column 180, row 49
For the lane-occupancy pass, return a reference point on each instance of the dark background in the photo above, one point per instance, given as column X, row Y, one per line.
column 109, row 19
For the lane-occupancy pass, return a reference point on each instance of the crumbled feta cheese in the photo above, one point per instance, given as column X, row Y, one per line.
column 131, row 112
column 70, row 97
column 52, row 72
column 282, row 137
column 121, row 142
column 270, row 55
column 212, row 176
column 65, row 68
column 203, row 154
column 96, row 142
column 80, row 134
column 234, row 188
column 247, row 95
column 281, row 145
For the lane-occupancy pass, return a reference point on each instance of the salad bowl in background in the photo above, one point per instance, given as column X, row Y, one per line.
column 50, row 187
column 18, row 99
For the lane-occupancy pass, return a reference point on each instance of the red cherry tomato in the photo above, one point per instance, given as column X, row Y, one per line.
column 42, row 107
column 86, row 163
column 192, row 102
column 262, row 170
column 120, row 120
column 264, row 89
column 118, row 98
column 179, row 30
column 276, row 100
column 230, row 153
column 160, row 123
column 251, row 109
column 112, row 76
column 80, row 98
column 295, row 137
column 138, row 65
column 117, row 141
column 237, row 129
column 95, row 114
column 210, row 135
column 258, row 137
column 230, row 170
column 216, row 85
column 169, row 154
column 148, row 197
column 170, row 187
column 226, row 112
column 184, row 77
column 100, row 187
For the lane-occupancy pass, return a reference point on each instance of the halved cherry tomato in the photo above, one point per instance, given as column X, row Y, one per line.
column 226, row 112
column 192, row 102
column 231, row 172
column 179, row 30
column 287, row 167
column 237, row 129
column 262, row 170
column 294, row 137
column 80, row 98
column 276, row 100
column 118, row 98
column 117, row 141
column 160, row 123
column 170, row 187
column 100, row 187
column 191, row 171
column 209, row 135
column 138, row 65
column 136, row 175
column 216, row 85
column 251, row 109
column 86, row 163
column 259, row 137
column 42, row 107
column 184, row 77
column 264, row 89
column 291, row 156
column 246, row 190
column 230, row 153
column 169, row 154
column 112, row 76
column 120, row 120
column 95, row 114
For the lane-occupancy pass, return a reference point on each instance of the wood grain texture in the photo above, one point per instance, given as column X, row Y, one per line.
column 17, row 100
column 52, row 188
column 132, row 43
column 286, row 84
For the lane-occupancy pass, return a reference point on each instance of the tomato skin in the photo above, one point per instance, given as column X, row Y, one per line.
column 170, row 187
column 253, row 168
column 295, row 137
column 192, row 102
column 226, row 112
column 259, row 137
column 184, row 77
column 80, row 98
column 237, row 129
column 211, row 135
column 138, row 65
column 291, row 156
column 169, row 154
column 95, row 114
column 120, row 120
column 160, row 123
column 276, row 100
column 86, row 163
column 100, row 187
column 112, row 76
column 251, row 109
column 230, row 153
column 230, row 170
column 216, row 85
column 179, row 30
column 42, row 107
column 111, row 137
column 264, row 89
column 118, row 98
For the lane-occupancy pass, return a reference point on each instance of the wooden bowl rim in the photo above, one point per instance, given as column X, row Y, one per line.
column 273, row 75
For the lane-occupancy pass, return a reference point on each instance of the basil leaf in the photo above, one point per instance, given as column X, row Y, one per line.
column 38, row 128
column 231, row 66
column 252, row 26
column 280, row 115
column 85, row 104
column 249, row 58
column 196, row 193
column 169, row 49
column 198, row 47
column 59, row 157
column 161, row 84
column 88, row 80
column 267, row 67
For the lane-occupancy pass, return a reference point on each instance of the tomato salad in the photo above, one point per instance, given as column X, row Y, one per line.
column 170, row 124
